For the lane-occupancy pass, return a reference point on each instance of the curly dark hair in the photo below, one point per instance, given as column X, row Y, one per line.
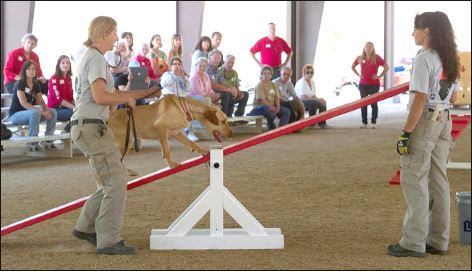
column 441, row 39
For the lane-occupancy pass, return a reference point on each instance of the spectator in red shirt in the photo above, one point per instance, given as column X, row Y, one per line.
column 60, row 95
column 369, row 82
column 144, row 61
column 15, row 60
column 271, row 48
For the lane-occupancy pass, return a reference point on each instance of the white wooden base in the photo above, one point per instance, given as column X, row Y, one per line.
column 459, row 165
column 230, row 239
column 216, row 199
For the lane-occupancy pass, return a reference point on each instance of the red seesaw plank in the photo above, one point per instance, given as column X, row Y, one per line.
column 226, row 151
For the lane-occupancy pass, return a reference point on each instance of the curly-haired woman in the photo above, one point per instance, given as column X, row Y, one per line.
column 425, row 141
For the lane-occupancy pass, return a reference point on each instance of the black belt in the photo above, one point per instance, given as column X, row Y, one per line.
column 88, row 121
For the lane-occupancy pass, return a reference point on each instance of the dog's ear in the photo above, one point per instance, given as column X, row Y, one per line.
column 210, row 115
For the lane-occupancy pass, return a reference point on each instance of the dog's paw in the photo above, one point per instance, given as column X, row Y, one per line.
column 172, row 164
column 131, row 172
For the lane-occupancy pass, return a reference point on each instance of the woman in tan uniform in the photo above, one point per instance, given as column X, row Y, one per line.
column 101, row 219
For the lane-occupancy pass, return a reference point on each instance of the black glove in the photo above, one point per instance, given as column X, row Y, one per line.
column 402, row 144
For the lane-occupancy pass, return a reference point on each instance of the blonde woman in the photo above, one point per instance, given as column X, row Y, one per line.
column 305, row 89
column 101, row 219
column 369, row 82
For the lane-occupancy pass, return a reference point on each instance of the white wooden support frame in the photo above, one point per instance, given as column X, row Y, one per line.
column 215, row 199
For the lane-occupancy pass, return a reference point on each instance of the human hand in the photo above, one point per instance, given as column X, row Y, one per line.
column 47, row 114
column 131, row 102
column 322, row 101
column 240, row 95
column 130, row 76
column 155, row 90
column 402, row 144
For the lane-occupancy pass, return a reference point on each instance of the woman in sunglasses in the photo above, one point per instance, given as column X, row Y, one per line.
column 305, row 88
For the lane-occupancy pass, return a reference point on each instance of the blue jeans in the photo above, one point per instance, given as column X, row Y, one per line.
column 367, row 90
column 312, row 106
column 32, row 118
column 63, row 113
column 284, row 115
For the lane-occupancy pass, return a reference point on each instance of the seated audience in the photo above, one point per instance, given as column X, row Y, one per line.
column 305, row 88
column 128, row 37
column 157, row 56
column 60, row 94
column 15, row 60
column 200, row 83
column 27, row 94
column 202, row 49
column 218, row 84
column 175, row 82
column 144, row 61
column 267, row 101
column 232, row 80
column 288, row 96
column 176, row 49
column 120, row 60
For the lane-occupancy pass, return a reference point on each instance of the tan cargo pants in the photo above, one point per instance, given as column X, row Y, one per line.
column 425, row 185
column 103, row 211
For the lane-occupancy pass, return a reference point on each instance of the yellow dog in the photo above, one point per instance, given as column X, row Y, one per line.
column 168, row 117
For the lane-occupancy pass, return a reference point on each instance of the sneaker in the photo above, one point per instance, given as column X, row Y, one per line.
column 435, row 251
column 117, row 249
column 373, row 126
column 364, row 126
column 191, row 136
column 34, row 146
column 398, row 251
column 89, row 237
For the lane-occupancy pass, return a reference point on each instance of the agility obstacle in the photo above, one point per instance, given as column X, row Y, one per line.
column 298, row 125
column 215, row 199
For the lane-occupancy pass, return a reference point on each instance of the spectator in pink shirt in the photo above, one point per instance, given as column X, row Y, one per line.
column 369, row 83
column 60, row 95
column 200, row 82
column 271, row 48
column 15, row 60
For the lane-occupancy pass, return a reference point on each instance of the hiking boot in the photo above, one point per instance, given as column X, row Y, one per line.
column 117, row 249
column 89, row 237
column 399, row 251
column 435, row 251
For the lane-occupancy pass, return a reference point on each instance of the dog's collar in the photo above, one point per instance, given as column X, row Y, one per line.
column 184, row 106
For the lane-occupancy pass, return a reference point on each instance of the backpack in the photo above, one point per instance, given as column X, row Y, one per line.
column 6, row 133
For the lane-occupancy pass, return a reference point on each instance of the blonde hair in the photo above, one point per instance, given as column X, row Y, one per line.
column 372, row 57
column 99, row 26
column 306, row 67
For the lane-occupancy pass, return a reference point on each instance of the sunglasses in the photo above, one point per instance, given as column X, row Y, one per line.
column 309, row 72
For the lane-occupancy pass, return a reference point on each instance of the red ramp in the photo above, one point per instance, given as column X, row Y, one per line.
column 226, row 151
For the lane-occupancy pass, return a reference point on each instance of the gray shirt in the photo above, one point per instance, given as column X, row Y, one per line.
column 286, row 89
column 426, row 78
column 93, row 66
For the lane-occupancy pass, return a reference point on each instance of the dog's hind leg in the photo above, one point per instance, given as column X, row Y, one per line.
column 191, row 145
